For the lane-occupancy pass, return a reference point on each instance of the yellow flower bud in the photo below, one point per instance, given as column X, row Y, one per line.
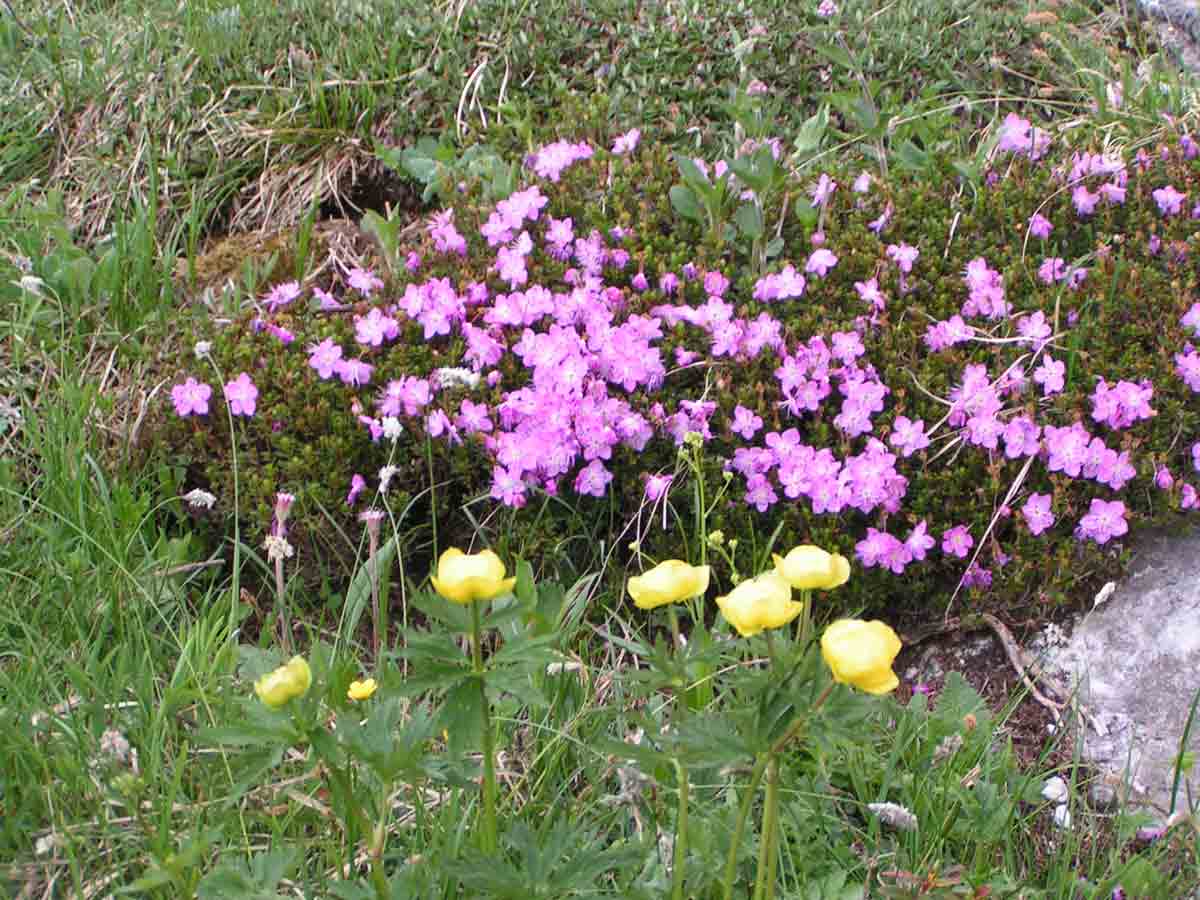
column 362, row 690
column 759, row 603
column 286, row 683
column 809, row 568
column 671, row 581
column 861, row 654
column 463, row 578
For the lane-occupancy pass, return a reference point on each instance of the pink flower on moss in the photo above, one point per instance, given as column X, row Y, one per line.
column 820, row 262
column 957, row 541
column 364, row 281
column 1104, row 521
column 357, row 485
column 1037, row 513
column 191, row 398
column 746, row 423
column 1040, row 226
column 1169, row 200
column 627, row 142
column 242, row 396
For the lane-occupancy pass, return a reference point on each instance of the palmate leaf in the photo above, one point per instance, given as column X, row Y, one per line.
column 556, row 861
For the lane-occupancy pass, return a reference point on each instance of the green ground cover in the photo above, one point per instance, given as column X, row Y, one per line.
column 164, row 167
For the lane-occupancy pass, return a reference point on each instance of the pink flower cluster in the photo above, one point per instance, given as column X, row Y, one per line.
column 552, row 159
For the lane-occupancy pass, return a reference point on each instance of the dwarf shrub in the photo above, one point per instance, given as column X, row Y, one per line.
column 607, row 374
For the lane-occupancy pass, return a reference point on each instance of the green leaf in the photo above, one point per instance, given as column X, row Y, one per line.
column 912, row 158
column 774, row 248
column 421, row 168
column 684, row 202
column 461, row 716
column 358, row 595
column 749, row 219
column 812, row 133
column 385, row 231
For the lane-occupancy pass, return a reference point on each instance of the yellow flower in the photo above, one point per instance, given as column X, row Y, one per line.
column 670, row 581
column 362, row 690
column 465, row 578
column 758, row 603
column 285, row 683
column 807, row 567
column 861, row 654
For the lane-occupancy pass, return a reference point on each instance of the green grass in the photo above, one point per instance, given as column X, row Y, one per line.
column 135, row 134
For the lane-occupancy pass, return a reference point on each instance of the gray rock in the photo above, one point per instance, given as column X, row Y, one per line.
column 1178, row 25
column 1136, row 662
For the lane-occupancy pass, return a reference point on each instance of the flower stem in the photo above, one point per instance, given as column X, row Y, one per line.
column 760, row 766
column 764, row 887
column 487, row 837
column 681, row 818
column 681, row 821
column 281, row 606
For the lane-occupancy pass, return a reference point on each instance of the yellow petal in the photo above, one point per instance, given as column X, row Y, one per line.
column 361, row 690
column 841, row 568
column 466, row 578
column 671, row 581
column 861, row 654
column 759, row 603
column 807, row 568
column 285, row 683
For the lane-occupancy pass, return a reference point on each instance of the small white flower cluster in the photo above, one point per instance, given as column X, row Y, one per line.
column 895, row 815
column 392, row 429
column 199, row 499
column 455, row 376
column 386, row 474
column 277, row 548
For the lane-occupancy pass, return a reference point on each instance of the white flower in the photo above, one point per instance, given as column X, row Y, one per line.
column 31, row 284
column 392, row 428
column 202, row 349
column 277, row 548
column 452, row 376
column 199, row 499
column 386, row 474
column 1055, row 790
column 895, row 815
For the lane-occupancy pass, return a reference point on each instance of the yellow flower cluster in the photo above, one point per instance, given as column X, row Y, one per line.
column 286, row 683
column 858, row 653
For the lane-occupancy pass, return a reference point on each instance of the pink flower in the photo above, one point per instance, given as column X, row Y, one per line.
column 626, row 142
column 364, row 281
column 323, row 357
column 1051, row 375
column 357, row 485
column 191, row 398
column 820, row 262
column 1169, row 200
column 242, row 395
column 1037, row 513
column 657, row 486
column 593, row 479
column 1104, row 520
column 903, row 255
column 1085, row 200
column 1040, row 226
column 957, row 541
column 826, row 9
column 823, row 190
column 919, row 541
column 281, row 295
column 747, row 424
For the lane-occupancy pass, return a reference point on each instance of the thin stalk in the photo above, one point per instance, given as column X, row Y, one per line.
column 681, row 821
column 432, row 494
column 681, row 817
column 487, row 837
column 285, row 625
column 760, row 766
column 379, row 845
column 764, row 879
